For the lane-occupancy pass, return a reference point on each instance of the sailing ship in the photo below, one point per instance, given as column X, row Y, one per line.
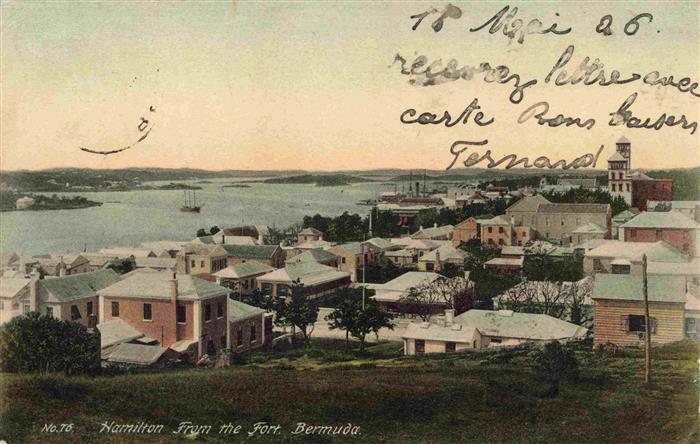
column 190, row 202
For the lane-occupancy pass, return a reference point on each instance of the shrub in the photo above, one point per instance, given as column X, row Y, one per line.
column 608, row 350
column 37, row 343
column 555, row 363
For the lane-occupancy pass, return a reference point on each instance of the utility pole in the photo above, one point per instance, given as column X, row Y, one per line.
column 364, row 287
column 647, row 323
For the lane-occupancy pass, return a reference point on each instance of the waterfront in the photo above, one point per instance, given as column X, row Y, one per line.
column 130, row 217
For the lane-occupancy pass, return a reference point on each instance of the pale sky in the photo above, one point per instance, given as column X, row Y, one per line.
column 309, row 85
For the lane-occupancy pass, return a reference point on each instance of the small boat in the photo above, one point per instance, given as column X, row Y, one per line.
column 190, row 203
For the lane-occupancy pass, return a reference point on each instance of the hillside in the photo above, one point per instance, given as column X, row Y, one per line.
column 488, row 396
column 321, row 180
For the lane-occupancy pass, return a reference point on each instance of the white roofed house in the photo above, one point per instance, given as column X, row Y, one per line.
column 444, row 336
column 423, row 294
column 241, row 277
column 98, row 261
column 506, row 327
column 177, row 311
column 14, row 297
column 62, row 265
column 587, row 232
column 318, row 279
column 309, row 234
column 608, row 257
column 690, row 208
column 353, row 255
column 443, row 232
column 156, row 263
column 477, row 329
column 125, row 252
column 438, row 258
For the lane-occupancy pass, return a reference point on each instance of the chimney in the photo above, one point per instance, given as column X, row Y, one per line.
column 449, row 317
column 173, row 289
column 223, row 238
column 438, row 264
column 261, row 241
column 420, row 228
column 34, row 290
column 61, row 267
column 434, row 224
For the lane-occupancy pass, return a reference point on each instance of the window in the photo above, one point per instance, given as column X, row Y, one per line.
column 219, row 309
column 115, row 309
column 181, row 314
column 420, row 346
column 501, row 230
column 239, row 337
column 450, row 347
column 193, row 263
column 546, row 222
column 563, row 222
column 89, row 309
column 620, row 176
column 252, row 333
column 490, row 229
column 691, row 328
column 627, row 186
column 74, row 313
column 598, row 266
column 658, row 234
column 25, row 308
column 613, row 186
column 635, row 323
column 207, row 312
column 49, row 312
column 620, row 269
column 633, row 232
column 501, row 242
column 147, row 315
column 342, row 260
column 201, row 264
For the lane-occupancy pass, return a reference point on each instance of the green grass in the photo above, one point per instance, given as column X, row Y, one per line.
column 487, row 396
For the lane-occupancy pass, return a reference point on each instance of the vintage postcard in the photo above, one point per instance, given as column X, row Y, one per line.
column 349, row 221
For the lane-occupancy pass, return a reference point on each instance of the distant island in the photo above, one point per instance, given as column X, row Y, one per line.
column 170, row 186
column 235, row 185
column 10, row 201
column 321, row 180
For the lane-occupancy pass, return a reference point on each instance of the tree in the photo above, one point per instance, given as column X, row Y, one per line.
column 370, row 320
column 214, row 230
column 36, row 343
column 425, row 298
column 201, row 232
column 122, row 266
column 381, row 271
column 384, row 223
column 257, row 298
column 347, row 313
column 555, row 363
column 297, row 311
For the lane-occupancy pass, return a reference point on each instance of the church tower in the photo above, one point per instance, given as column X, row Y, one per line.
column 619, row 164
